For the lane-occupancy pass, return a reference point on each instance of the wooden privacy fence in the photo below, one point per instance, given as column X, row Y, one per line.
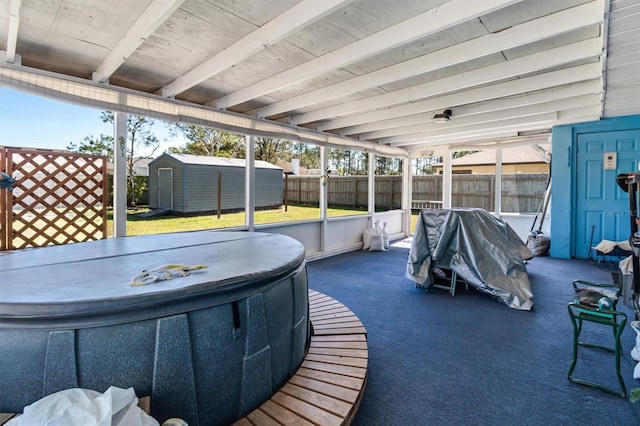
column 521, row 193
column 59, row 198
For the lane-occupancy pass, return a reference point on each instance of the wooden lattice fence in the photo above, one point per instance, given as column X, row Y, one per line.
column 59, row 198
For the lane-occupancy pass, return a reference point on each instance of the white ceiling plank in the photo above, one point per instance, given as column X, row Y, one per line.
column 529, row 32
column 527, row 64
column 275, row 30
column 487, row 139
column 631, row 60
column 442, row 17
column 484, row 140
column 625, row 100
column 530, row 140
column 548, row 95
column 511, row 140
column 572, row 114
column 544, row 127
column 538, row 122
column 489, row 116
column 463, row 131
column 154, row 15
column 12, row 31
column 632, row 47
column 528, row 84
column 627, row 76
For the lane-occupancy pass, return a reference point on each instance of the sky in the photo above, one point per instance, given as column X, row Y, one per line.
column 31, row 121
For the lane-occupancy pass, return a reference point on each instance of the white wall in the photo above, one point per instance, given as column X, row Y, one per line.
column 342, row 234
column 521, row 223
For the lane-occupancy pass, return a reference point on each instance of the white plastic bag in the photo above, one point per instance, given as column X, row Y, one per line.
column 385, row 236
column 377, row 238
column 84, row 407
column 366, row 237
column 635, row 351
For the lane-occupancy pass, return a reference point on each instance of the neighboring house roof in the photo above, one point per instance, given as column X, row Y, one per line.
column 518, row 155
column 138, row 163
column 142, row 162
column 218, row 161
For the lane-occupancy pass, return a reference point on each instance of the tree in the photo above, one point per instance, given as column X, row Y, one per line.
column 139, row 135
column 272, row 150
column 309, row 155
column 102, row 145
column 214, row 143
column 425, row 165
column 349, row 162
column 388, row 166
column 208, row 142
column 458, row 154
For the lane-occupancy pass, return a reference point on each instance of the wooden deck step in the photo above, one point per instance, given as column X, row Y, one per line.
column 5, row 417
column 327, row 388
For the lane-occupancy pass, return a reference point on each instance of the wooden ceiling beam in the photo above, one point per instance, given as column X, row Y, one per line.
column 12, row 32
column 275, row 30
column 517, row 101
column 539, row 122
column 543, row 81
column 537, row 62
column 154, row 15
column 491, row 116
column 532, row 31
column 430, row 22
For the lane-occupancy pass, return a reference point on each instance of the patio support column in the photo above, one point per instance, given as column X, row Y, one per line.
column 407, row 189
column 371, row 185
column 446, row 180
column 120, row 175
column 324, row 183
column 250, row 184
column 498, row 185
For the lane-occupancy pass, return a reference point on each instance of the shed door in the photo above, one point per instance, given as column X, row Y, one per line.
column 602, row 208
column 165, row 189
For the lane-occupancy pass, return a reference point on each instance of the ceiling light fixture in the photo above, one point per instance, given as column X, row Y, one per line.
column 443, row 117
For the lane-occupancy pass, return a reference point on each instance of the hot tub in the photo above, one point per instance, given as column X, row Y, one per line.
column 208, row 348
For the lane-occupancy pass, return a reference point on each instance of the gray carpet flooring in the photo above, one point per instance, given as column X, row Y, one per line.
column 437, row 359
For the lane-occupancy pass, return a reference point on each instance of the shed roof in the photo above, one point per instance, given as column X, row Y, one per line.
column 218, row 161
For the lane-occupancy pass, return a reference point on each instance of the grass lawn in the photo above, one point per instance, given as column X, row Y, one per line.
column 137, row 225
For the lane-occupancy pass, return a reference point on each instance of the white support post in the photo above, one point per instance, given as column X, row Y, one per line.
column 120, row 175
column 324, row 163
column 447, row 171
column 407, row 189
column 498, row 185
column 371, row 187
column 250, row 184
column 324, row 183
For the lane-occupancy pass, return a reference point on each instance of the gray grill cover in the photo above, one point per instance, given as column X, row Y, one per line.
column 483, row 250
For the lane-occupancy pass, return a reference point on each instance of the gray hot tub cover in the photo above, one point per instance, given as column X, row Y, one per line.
column 483, row 250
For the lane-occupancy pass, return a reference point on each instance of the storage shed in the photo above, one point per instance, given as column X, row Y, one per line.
column 188, row 184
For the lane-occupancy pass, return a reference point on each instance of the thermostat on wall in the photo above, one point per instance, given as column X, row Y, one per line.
column 610, row 160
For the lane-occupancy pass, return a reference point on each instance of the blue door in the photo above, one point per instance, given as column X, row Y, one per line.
column 602, row 208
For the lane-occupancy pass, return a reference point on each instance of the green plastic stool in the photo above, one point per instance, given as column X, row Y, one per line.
column 609, row 317
column 453, row 280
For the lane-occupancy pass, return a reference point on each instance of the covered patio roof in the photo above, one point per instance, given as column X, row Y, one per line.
column 361, row 74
